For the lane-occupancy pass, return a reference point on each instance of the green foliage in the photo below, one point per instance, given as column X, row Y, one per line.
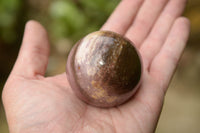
column 70, row 19
column 8, row 14
column 73, row 19
column 103, row 7
column 66, row 19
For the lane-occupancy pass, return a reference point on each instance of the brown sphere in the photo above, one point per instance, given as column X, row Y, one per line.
column 104, row 69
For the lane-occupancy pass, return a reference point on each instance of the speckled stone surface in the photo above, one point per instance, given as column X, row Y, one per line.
column 104, row 69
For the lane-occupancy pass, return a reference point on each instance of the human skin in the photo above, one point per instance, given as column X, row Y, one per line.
column 35, row 103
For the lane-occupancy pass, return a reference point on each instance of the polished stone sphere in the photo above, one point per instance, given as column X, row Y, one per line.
column 104, row 69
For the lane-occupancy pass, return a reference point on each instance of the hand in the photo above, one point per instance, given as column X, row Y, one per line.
column 34, row 103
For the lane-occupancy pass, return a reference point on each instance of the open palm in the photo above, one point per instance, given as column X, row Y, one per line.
column 34, row 103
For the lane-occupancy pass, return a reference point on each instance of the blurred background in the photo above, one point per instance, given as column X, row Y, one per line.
column 69, row 20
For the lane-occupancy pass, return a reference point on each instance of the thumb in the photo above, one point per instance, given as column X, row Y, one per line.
column 34, row 53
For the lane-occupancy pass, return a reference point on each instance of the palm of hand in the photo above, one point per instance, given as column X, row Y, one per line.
column 50, row 104
column 47, row 104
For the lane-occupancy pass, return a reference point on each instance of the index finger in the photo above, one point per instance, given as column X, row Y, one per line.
column 122, row 17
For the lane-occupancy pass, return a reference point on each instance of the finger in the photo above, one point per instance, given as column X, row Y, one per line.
column 158, row 35
column 164, row 64
column 33, row 56
column 161, row 71
column 144, row 20
column 122, row 17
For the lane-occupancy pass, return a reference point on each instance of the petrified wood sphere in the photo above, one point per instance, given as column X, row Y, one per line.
column 104, row 69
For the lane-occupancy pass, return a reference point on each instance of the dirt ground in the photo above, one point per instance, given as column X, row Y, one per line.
column 181, row 111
